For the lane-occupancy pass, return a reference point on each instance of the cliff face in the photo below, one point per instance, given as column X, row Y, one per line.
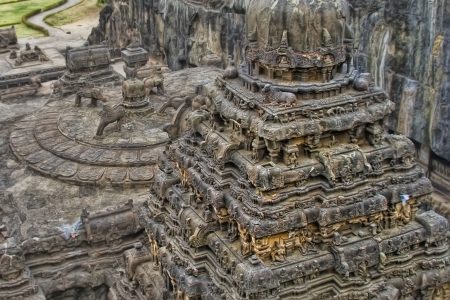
column 180, row 32
column 403, row 43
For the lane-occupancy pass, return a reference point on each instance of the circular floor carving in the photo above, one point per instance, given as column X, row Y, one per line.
column 58, row 141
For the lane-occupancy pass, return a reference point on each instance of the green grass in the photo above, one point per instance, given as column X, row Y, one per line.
column 12, row 13
column 74, row 14
column 10, row 1
column 23, row 31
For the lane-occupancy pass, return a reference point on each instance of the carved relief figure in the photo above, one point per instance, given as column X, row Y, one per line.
column 278, row 253
column 276, row 97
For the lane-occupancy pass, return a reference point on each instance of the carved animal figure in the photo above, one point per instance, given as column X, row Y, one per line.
column 94, row 93
column 154, row 81
column 151, row 83
column 274, row 96
column 110, row 115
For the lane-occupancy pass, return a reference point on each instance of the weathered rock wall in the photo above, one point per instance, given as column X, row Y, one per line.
column 403, row 43
column 181, row 33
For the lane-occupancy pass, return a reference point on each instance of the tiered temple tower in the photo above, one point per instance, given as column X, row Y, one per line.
column 284, row 183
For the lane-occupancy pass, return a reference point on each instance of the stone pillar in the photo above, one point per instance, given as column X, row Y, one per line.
column 324, row 75
column 303, row 76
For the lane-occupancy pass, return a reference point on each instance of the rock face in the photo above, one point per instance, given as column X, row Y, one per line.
column 403, row 43
column 181, row 32
column 267, row 19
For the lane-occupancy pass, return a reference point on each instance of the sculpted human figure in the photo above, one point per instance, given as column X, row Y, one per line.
column 403, row 212
column 262, row 248
column 278, row 253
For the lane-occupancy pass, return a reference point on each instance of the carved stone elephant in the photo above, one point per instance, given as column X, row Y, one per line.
column 154, row 82
column 110, row 115
column 94, row 93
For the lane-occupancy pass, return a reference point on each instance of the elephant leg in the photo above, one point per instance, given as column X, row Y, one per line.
column 148, row 90
column 93, row 102
column 161, row 89
column 119, row 125
column 78, row 100
column 100, row 128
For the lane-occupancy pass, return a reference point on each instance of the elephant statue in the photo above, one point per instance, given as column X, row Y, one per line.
column 110, row 115
column 156, row 80
column 95, row 93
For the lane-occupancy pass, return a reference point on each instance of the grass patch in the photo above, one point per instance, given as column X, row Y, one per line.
column 10, row 1
column 23, row 30
column 84, row 9
column 17, row 12
column 12, row 12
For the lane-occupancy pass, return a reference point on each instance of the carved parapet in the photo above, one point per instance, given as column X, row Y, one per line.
column 431, row 284
column 71, row 238
column 266, row 177
column 253, row 277
column 112, row 224
column 259, row 226
column 401, row 242
column 403, row 150
column 345, row 163
column 436, row 225
column 342, row 213
column 351, row 256
column 291, row 60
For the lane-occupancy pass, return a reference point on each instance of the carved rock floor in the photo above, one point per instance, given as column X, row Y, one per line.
column 49, row 145
column 58, row 140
